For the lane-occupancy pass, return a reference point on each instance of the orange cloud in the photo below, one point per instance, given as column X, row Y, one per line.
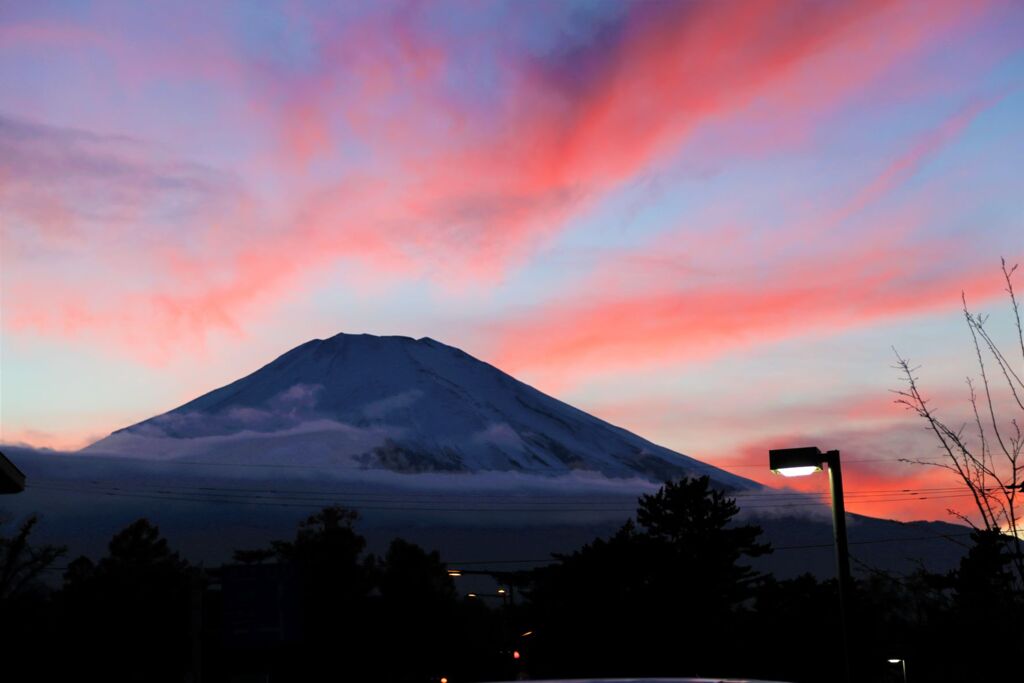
column 875, row 482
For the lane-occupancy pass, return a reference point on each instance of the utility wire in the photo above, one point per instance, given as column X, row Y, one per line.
column 447, row 496
column 456, row 564
column 772, row 495
column 401, row 503
column 845, row 462
column 344, row 466
column 809, row 546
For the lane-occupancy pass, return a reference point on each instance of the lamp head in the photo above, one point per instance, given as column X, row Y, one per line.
column 795, row 462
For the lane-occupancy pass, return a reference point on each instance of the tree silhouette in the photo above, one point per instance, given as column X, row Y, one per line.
column 415, row 614
column 26, row 621
column 655, row 597
column 128, row 614
column 987, row 605
column 334, row 582
column 21, row 563
column 669, row 594
column 327, row 551
column 691, row 526
column 410, row 575
column 392, row 618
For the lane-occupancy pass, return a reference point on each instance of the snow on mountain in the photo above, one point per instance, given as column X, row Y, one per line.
column 364, row 402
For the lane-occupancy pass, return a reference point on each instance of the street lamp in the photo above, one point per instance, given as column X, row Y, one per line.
column 507, row 594
column 902, row 662
column 798, row 462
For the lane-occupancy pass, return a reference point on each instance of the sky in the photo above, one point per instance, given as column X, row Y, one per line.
column 708, row 222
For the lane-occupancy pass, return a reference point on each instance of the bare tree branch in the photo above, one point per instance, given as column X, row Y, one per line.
column 991, row 464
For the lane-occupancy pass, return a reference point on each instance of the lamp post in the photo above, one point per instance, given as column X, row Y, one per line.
column 506, row 589
column 903, row 663
column 798, row 462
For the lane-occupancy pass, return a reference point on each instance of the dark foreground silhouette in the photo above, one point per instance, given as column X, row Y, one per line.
column 668, row 595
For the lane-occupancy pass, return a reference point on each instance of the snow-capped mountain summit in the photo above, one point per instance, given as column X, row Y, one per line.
column 400, row 404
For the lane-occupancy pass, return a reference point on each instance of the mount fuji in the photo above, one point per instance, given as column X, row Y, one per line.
column 426, row 443
column 363, row 402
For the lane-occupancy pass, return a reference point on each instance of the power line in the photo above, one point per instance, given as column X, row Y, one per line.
column 862, row 502
column 845, row 462
column 396, row 503
column 697, row 465
column 946, row 537
column 455, row 564
column 808, row 546
column 767, row 494
column 748, row 500
column 341, row 466
column 292, row 493
column 311, row 502
column 320, row 492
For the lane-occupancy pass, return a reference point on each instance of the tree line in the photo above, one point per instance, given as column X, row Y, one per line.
column 671, row 593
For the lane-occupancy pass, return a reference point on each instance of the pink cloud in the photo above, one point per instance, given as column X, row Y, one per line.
column 48, row 35
column 567, row 340
column 903, row 167
column 197, row 293
column 650, row 415
column 66, row 439
column 648, row 315
column 449, row 194
column 488, row 190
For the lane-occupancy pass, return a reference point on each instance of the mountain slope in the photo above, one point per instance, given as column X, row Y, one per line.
column 400, row 404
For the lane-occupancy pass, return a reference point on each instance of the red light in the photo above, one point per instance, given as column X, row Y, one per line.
column 515, row 654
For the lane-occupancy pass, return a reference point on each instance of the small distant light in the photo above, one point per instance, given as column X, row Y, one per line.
column 515, row 654
column 528, row 633
column 444, row 680
column 797, row 471
column 454, row 572
column 470, row 595
column 501, row 591
column 895, row 661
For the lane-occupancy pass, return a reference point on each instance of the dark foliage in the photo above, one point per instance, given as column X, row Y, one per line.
column 23, row 594
column 138, row 596
column 653, row 599
column 21, row 563
column 667, row 595
column 395, row 618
